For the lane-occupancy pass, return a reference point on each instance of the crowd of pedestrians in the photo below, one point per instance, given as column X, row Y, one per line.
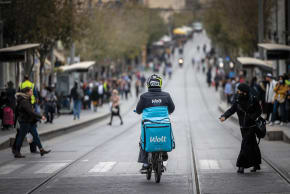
column 273, row 94
column 24, row 107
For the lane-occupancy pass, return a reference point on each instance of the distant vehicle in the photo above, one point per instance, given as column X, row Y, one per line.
column 197, row 27
column 180, row 62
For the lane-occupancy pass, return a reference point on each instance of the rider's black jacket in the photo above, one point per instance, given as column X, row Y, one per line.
column 155, row 97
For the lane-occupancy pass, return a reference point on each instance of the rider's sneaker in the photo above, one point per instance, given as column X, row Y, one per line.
column 163, row 169
column 144, row 168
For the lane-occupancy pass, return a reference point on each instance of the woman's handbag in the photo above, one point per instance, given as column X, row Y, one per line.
column 261, row 127
column 280, row 99
column 115, row 110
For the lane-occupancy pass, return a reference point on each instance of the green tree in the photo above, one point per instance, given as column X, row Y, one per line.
column 44, row 22
column 233, row 24
column 120, row 32
column 182, row 18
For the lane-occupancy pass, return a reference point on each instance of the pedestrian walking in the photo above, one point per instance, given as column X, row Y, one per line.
column 115, row 108
column 27, row 118
column 101, row 93
column 87, row 100
column 269, row 95
column 50, row 105
column 95, row 96
column 43, row 93
column 280, row 101
column 217, row 80
column 208, row 77
column 248, row 110
column 126, row 88
column 137, row 87
column 7, row 114
column 34, row 101
column 256, row 89
column 11, row 92
column 229, row 91
column 143, row 80
column 77, row 95
column 7, row 107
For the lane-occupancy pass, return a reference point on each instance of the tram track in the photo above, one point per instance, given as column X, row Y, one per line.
column 195, row 187
column 280, row 171
column 61, row 171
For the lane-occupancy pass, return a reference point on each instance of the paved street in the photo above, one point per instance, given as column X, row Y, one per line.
column 102, row 159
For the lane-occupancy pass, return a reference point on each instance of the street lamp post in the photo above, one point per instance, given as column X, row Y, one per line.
column 261, row 24
column 1, row 43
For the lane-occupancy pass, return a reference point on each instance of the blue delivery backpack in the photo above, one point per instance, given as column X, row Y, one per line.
column 156, row 130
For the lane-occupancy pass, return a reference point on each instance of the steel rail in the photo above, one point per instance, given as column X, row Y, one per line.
column 194, row 174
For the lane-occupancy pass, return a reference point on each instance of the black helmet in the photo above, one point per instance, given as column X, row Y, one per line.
column 154, row 81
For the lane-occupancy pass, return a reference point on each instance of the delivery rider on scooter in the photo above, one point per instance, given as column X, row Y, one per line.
column 154, row 97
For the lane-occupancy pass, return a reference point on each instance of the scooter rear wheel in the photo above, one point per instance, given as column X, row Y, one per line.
column 148, row 175
column 158, row 172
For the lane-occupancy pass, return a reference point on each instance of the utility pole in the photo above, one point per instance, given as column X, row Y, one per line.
column 261, row 24
column 2, row 3
column 1, row 46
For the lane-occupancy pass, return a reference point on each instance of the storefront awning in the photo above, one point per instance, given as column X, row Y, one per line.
column 276, row 51
column 77, row 67
column 166, row 38
column 249, row 62
column 15, row 53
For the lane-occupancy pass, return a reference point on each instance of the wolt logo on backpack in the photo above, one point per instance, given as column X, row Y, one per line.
column 158, row 139
column 156, row 101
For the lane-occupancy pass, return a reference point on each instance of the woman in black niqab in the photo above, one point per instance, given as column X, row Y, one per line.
column 248, row 110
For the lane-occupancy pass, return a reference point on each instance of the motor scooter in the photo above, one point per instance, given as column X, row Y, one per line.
column 180, row 62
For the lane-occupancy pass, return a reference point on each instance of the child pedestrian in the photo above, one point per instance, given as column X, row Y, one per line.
column 115, row 109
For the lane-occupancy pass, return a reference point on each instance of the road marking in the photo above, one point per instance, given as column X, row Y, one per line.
column 208, row 164
column 9, row 168
column 102, row 167
column 213, row 164
column 50, row 168
column 49, row 161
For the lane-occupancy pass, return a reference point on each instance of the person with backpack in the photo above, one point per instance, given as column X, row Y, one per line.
column 77, row 95
column 153, row 98
column 248, row 110
column 50, row 105
column 27, row 118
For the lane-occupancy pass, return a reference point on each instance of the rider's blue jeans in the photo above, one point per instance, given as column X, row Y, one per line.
column 143, row 156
